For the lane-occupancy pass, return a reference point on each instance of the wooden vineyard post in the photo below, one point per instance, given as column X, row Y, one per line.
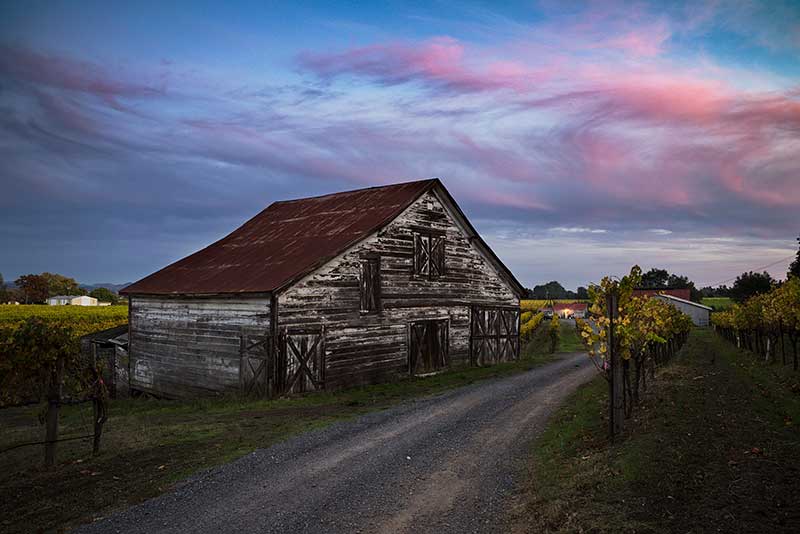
column 99, row 413
column 783, row 347
column 53, row 405
column 99, row 400
column 616, row 385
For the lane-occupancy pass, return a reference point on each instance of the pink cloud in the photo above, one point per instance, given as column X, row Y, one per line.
column 438, row 62
column 583, row 141
column 69, row 74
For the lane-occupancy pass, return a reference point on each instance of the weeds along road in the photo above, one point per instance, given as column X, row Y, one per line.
column 443, row 464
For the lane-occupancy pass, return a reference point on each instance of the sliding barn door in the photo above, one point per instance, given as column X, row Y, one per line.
column 292, row 363
column 494, row 335
column 303, row 361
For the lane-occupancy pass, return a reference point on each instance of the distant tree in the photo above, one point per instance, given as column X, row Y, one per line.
column 655, row 278
column 683, row 282
column 750, row 284
column 794, row 268
column 528, row 293
column 104, row 295
column 58, row 284
column 552, row 290
column 582, row 293
column 4, row 293
column 661, row 278
column 13, row 294
column 34, row 288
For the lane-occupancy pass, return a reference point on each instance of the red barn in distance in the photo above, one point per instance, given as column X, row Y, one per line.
column 682, row 293
column 567, row 310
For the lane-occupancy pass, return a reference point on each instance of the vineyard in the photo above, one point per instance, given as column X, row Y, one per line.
column 34, row 337
column 82, row 319
column 630, row 336
column 765, row 324
column 529, row 322
column 534, row 305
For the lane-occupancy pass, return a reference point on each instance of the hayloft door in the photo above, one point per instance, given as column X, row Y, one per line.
column 428, row 347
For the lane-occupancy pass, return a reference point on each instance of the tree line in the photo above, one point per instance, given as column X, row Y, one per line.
column 652, row 279
column 746, row 285
column 37, row 288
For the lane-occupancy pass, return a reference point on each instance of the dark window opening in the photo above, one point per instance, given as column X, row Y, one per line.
column 428, row 350
column 370, row 284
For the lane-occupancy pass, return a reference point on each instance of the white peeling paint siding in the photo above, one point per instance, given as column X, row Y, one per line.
column 183, row 347
column 367, row 348
column 700, row 316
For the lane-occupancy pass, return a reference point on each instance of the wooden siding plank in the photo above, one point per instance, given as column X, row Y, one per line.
column 366, row 348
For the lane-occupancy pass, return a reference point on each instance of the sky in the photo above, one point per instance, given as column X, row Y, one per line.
column 580, row 138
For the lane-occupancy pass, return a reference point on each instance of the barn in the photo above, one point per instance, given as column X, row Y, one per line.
column 701, row 315
column 326, row 292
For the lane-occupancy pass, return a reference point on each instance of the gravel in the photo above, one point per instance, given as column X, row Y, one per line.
column 443, row 464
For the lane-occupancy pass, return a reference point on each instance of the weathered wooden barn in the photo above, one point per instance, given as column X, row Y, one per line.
column 344, row 289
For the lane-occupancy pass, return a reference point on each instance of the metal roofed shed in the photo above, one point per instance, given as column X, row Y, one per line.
column 700, row 314
column 326, row 292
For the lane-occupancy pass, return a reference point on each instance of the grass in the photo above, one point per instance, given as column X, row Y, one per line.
column 718, row 303
column 568, row 342
column 149, row 445
column 714, row 447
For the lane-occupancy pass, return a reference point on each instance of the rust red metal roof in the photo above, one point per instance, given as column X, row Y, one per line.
column 681, row 293
column 284, row 242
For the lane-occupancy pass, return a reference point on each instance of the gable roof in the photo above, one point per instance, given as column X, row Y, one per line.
column 290, row 239
column 680, row 292
column 678, row 299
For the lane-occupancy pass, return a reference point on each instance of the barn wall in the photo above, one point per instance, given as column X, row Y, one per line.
column 183, row 347
column 365, row 348
column 700, row 316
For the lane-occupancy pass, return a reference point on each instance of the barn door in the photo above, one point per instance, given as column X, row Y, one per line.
column 428, row 347
column 257, row 365
column 303, row 361
column 494, row 335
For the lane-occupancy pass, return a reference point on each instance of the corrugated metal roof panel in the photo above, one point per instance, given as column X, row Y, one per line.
column 283, row 243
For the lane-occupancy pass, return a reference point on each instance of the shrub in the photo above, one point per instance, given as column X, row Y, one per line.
column 529, row 327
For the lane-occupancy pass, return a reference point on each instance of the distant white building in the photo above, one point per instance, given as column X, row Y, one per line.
column 60, row 300
column 701, row 315
column 73, row 300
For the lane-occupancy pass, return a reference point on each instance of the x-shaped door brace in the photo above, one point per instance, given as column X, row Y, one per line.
column 302, row 359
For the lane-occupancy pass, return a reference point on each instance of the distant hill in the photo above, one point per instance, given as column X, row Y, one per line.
column 111, row 287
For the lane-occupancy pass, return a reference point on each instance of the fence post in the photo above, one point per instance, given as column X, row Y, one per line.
column 783, row 347
column 53, row 405
column 616, row 385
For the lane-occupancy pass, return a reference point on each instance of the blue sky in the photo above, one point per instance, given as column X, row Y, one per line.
column 580, row 141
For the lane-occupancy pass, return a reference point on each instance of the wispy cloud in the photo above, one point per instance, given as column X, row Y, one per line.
column 587, row 124
column 578, row 230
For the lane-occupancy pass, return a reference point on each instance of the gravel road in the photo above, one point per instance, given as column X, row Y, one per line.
column 442, row 464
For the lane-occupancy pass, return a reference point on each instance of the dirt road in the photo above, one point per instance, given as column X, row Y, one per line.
column 443, row 464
